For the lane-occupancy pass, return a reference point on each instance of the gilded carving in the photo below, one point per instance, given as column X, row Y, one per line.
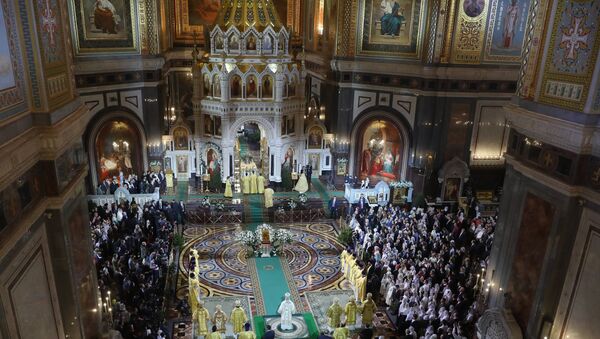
column 468, row 45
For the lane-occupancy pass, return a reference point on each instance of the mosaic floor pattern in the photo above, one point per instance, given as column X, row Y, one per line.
column 313, row 259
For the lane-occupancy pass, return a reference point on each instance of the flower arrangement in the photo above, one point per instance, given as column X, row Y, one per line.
column 205, row 202
column 250, row 239
column 302, row 198
column 280, row 238
column 264, row 228
column 280, row 210
column 220, row 206
column 401, row 184
column 292, row 204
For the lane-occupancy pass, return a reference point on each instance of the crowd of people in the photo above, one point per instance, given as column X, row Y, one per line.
column 424, row 266
column 148, row 183
column 132, row 253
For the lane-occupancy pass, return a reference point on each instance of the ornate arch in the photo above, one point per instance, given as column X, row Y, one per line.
column 94, row 126
column 379, row 113
column 266, row 124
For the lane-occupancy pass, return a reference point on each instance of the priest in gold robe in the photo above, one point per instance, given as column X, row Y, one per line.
column 351, row 309
column 253, row 184
column 247, row 334
column 246, row 184
column 341, row 332
column 219, row 319
column 238, row 317
column 367, row 310
column 228, row 191
column 260, row 181
column 334, row 313
column 269, row 197
column 201, row 317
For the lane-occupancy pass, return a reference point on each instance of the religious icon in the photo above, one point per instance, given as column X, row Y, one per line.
column 267, row 44
column 217, row 126
column 206, row 84
column 236, row 86
column 251, row 43
column 451, row 189
column 167, row 164
column 216, row 84
column 251, row 88
column 393, row 18
column 267, row 87
column 290, row 125
column 234, row 42
column 381, row 152
column 182, row 163
column 219, row 42
column 289, row 157
column 315, row 137
column 314, row 160
column 212, row 161
column 203, row 12
column 473, row 8
column 510, row 23
column 180, row 136
column 208, row 125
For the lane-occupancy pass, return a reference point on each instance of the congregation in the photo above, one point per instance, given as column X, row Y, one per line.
column 424, row 266
column 132, row 183
column 132, row 247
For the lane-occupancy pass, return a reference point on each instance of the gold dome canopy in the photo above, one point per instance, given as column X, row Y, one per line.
column 244, row 14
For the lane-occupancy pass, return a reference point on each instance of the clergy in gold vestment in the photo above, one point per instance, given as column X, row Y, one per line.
column 334, row 313
column 253, row 184
column 351, row 310
column 193, row 287
column 302, row 184
column 269, row 197
column 367, row 309
column 214, row 335
column 246, row 184
column 260, row 181
column 238, row 317
column 341, row 333
column 228, row 192
column 247, row 334
column 220, row 319
column 201, row 316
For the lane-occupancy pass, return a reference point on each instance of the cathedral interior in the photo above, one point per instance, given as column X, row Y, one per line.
column 299, row 169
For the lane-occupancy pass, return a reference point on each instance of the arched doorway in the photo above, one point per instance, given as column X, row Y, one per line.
column 381, row 149
column 115, row 144
column 251, row 150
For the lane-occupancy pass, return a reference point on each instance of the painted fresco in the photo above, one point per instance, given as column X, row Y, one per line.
column 391, row 27
column 12, row 85
column 506, row 30
column 50, row 26
column 572, row 54
column 118, row 149
column 105, row 24
column 315, row 137
column 203, row 12
column 381, row 149
column 7, row 76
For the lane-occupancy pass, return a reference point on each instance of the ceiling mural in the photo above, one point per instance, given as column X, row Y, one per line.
column 391, row 27
column 104, row 26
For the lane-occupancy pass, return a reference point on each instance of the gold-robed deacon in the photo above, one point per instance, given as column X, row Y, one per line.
column 260, row 181
column 238, row 317
column 268, row 197
column 248, row 333
column 302, row 184
column 334, row 313
column 341, row 332
column 367, row 309
column 228, row 192
column 246, row 184
column 214, row 335
column 219, row 319
column 193, row 287
column 201, row 316
column 253, row 184
column 351, row 310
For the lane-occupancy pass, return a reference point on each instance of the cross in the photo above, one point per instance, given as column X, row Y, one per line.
column 49, row 22
column 574, row 37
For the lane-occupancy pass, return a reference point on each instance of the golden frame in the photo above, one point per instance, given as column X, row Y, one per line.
column 419, row 37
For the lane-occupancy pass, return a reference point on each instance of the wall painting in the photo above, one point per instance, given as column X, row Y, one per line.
column 11, row 68
column 118, row 148
column 391, row 27
column 469, row 31
column 507, row 24
column 102, row 26
column 381, row 148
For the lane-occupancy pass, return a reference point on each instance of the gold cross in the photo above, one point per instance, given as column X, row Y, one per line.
column 548, row 159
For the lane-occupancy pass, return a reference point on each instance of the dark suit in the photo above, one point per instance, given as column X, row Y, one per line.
column 269, row 335
column 333, row 205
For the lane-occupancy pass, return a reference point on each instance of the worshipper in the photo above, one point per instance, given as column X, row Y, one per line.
column 351, row 309
column 324, row 335
column 302, row 184
column 246, row 184
column 287, row 310
column 367, row 309
column 363, row 204
column 269, row 197
column 341, row 332
column 228, row 192
column 269, row 333
column 238, row 317
column 247, row 333
column 219, row 319
column 333, row 206
column 253, row 183
column 309, row 170
column 334, row 313
column 260, row 181
column 201, row 317
column 215, row 334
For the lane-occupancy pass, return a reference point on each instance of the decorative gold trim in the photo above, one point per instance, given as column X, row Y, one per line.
column 451, row 22
column 468, row 45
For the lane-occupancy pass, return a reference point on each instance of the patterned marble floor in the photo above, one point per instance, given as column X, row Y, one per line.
column 313, row 259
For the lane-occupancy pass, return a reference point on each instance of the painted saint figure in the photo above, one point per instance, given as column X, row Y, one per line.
column 510, row 24
column 106, row 17
column 392, row 22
